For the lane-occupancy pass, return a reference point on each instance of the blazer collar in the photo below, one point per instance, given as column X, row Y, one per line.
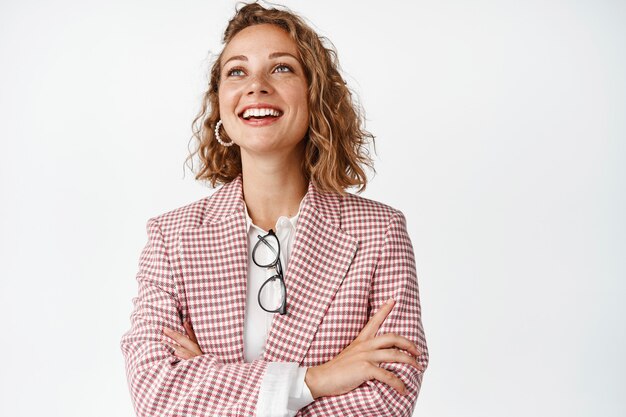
column 228, row 201
column 214, row 257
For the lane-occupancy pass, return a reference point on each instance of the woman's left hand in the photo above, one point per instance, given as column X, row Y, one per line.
column 187, row 347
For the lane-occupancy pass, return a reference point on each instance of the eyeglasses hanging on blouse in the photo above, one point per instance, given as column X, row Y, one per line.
column 273, row 293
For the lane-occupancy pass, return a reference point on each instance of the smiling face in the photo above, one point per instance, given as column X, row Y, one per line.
column 263, row 99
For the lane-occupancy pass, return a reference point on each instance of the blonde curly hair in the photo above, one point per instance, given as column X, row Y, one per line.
column 336, row 141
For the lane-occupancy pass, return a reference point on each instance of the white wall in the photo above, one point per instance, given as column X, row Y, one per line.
column 500, row 133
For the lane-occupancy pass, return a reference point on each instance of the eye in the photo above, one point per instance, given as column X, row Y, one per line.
column 235, row 72
column 283, row 68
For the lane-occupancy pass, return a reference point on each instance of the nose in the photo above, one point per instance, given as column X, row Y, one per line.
column 259, row 84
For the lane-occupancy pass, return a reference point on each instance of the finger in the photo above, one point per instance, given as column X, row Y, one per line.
column 180, row 351
column 190, row 333
column 389, row 378
column 173, row 334
column 377, row 319
column 393, row 340
column 395, row 356
column 181, row 339
column 186, row 342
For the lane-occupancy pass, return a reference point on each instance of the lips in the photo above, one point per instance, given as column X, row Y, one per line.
column 260, row 111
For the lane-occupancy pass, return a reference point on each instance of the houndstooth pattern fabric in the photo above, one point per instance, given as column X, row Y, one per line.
column 349, row 255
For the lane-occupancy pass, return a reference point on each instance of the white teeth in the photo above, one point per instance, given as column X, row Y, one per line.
column 260, row 113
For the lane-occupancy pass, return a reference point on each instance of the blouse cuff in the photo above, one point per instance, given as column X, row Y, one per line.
column 300, row 394
column 283, row 391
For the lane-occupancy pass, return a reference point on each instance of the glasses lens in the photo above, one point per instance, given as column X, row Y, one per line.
column 272, row 294
column 266, row 251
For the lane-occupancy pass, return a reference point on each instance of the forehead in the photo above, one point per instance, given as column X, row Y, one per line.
column 261, row 39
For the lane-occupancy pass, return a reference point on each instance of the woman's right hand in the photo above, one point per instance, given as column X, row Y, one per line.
column 359, row 361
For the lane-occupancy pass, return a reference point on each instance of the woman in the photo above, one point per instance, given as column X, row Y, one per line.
column 270, row 296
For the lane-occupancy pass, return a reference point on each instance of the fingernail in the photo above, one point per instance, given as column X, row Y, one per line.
column 390, row 301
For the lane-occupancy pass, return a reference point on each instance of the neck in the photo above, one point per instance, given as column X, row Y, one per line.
column 272, row 188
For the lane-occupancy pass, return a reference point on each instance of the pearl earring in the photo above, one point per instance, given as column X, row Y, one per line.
column 217, row 135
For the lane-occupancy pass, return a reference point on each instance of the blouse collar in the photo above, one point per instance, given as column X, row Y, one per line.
column 280, row 223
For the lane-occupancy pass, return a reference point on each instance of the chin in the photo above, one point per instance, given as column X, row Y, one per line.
column 258, row 144
column 264, row 144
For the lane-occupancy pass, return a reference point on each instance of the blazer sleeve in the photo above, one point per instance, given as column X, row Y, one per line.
column 161, row 384
column 395, row 276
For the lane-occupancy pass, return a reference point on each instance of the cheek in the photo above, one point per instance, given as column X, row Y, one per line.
column 299, row 95
column 305, row 98
column 226, row 101
column 304, row 106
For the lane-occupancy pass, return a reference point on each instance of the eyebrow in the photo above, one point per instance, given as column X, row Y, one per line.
column 271, row 56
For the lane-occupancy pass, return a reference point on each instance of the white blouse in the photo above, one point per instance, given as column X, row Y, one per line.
column 283, row 390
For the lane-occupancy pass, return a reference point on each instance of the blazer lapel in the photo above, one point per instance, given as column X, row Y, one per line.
column 214, row 260
column 319, row 261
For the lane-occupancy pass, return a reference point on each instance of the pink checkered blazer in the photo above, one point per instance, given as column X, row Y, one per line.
column 349, row 255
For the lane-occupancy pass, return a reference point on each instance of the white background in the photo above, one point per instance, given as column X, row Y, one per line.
column 500, row 134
